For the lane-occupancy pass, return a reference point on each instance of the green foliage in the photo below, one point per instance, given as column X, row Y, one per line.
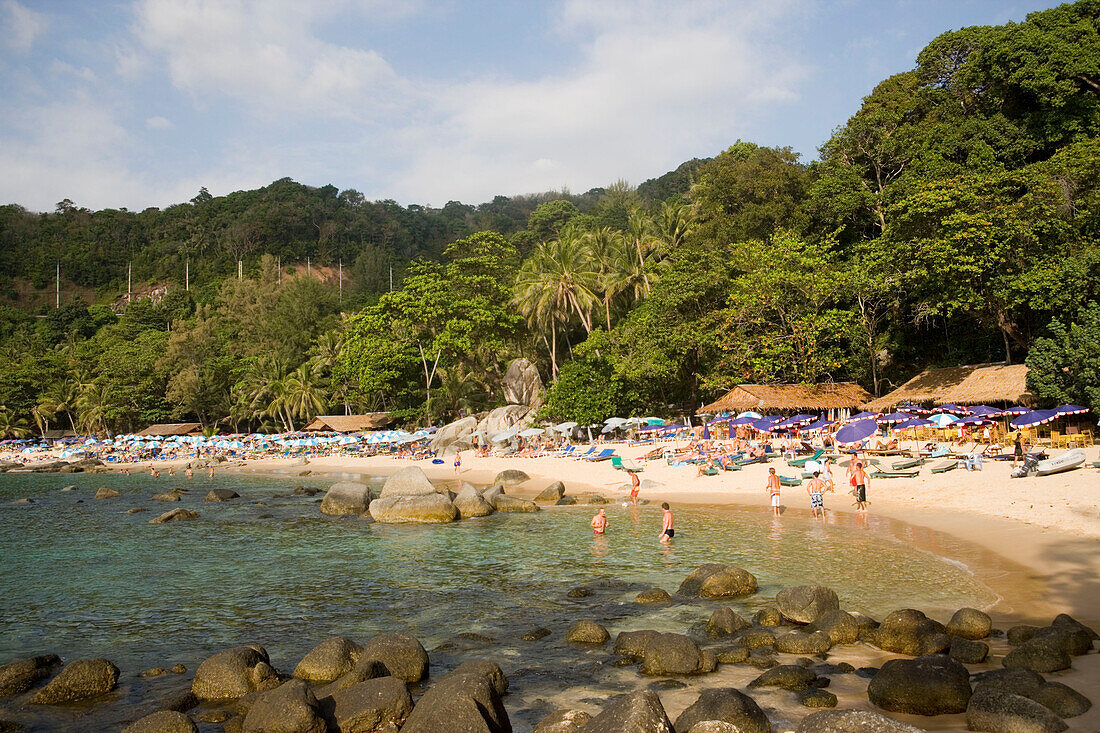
column 1064, row 367
column 587, row 392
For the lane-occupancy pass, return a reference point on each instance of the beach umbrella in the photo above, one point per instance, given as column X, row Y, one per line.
column 796, row 421
column 766, row 424
column 984, row 411
column 894, row 417
column 864, row 416
column 857, row 430
column 915, row 409
column 532, row 432
column 750, row 413
column 942, row 419
column 976, row 420
column 653, row 420
column 706, row 431
column 1064, row 410
column 1015, row 410
column 913, row 423
column 745, row 420
column 951, row 408
column 718, row 420
column 565, row 427
column 820, row 424
column 504, row 435
column 1033, row 418
column 615, row 421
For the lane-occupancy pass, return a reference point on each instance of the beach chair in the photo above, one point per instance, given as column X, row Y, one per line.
column 801, row 462
column 906, row 465
column 882, row 473
column 789, row 481
column 709, row 471
column 586, row 454
column 733, row 466
column 603, row 455
column 568, row 451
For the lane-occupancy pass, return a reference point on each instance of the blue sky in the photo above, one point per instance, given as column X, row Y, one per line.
column 135, row 104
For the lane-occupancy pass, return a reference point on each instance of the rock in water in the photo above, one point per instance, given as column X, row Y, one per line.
column 18, row 677
column 725, row 621
column 78, row 680
column 289, row 708
column 1062, row 700
column 328, row 661
column 505, row 503
column 552, row 493
column 169, row 496
column 372, row 705
column 522, row 384
column 840, row 626
column 996, row 711
column 402, row 655
column 511, row 477
column 175, row 515
column 106, row 493
column 676, row 654
column 970, row 623
column 409, row 481
column 796, row 642
column 715, row 580
column 347, row 497
column 430, row 508
column 470, row 503
column 910, row 632
column 587, row 632
column 805, row 604
column 968, row 652
column 653, row 595
column 464, row 700
column 221, row 495
column 1039, row 655
column 852, row 721
column 633, row 643
column 787, row 677
column 234, row 673
column 563, row 721
column 165, row 721
column 928, row 685
column 635, row 712
column 487, row 669
column 726, row 705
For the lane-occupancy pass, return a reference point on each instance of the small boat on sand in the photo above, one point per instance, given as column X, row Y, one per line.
column 1066, row 462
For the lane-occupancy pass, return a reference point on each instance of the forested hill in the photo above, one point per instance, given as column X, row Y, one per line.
column 952, row 219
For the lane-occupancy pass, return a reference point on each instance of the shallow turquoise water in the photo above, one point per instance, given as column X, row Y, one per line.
column 87, row 579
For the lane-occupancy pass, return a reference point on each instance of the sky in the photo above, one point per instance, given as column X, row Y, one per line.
column 141, row 103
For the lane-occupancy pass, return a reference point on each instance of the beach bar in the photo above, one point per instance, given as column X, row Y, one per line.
column 348, row 423
column 976, row 384
column 836, row 399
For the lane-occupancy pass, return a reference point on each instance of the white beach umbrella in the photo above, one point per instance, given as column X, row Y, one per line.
column 504, row 435
column 532, row 432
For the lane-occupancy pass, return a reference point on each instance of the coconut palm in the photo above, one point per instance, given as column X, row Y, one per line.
column 303, row 392
column 60, row 399
column 674, row 223
column 93, row 404
column 12, row 426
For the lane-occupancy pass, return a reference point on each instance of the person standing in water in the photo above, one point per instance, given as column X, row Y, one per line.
column 773, row 489
column 599, row 523
column 634, row 486
column 815, row 489
column 859, row 480
column 667, row 532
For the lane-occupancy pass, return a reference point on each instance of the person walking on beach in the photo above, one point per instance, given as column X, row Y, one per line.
column 599, row 523
column 667, row 532
column 1017, row 449
column 815, row 489
column 859, row 480
column 458, row 461
column 635, row 484
column 773, row 489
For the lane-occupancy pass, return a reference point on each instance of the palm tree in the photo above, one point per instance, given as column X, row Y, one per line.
column 606, row 245
column 60, row 399
column 642, row 236
column 11, row 426
column 93, row 403
column 675, row 223
column 303, row 392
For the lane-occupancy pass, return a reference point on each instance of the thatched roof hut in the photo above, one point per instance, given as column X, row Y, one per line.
column 349, row 423
column 963, row 385
column 170, row 429
column 788, row 397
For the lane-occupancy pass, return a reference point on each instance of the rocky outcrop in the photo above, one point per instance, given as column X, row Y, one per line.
column 458, row 431
column 910, row 632
column 347, row 498
column 714, row 580
column 522, row 384
column 234, row 673
column 175, row 515
column 373, row 705
column 426, row 509
column 552, row 493
column 289, row 708
column 728, row 706
column 19, row 676
column 505, row 418
column 470, row 503
column 928, row 685
column 328, row 661
column 79, row 680
column 410, row 481
column 465, row 700
column 805, row 604
column 634, row 712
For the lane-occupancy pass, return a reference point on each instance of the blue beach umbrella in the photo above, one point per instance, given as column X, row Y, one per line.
column 915, row 409
column 1063, row 410
column 864, row 416
column 820, row 424
column 912, row 423
column 750, row 413
column 746, row 420
column 1033, row 418
column 856, row 431
column 796, row 421
column 1016, row 410
column 952, row 408
column 767, row 424
column 895, row 417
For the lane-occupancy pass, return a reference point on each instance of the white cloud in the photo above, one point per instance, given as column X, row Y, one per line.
column 159, row 123
column 20, row 26
column 63, row 68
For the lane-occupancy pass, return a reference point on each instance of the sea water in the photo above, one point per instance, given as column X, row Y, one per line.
column 81, row 577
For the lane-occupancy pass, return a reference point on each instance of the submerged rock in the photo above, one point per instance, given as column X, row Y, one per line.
column 805, row 604
column 175, row 515
column 19, row 676
column 715, row 580
column 221, row 495
column 587, row 632
column 79, row 680
column 105, row 493
column 347, row 498
column 653, row 595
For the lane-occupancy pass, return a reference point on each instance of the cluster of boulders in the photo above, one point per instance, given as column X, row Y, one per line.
column 80, row 466
column 344, row 686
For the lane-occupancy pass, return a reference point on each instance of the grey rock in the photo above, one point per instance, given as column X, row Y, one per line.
column 970, row 623
column 1039, row 655
column 587, row 498
column 535, row 634
column 587, row 632
column 726, row 705
column 715, row 580
column 489, row 670
column 910, row 632
column 168, row 496
column 1075, row 640
column 1062, row 700
column 813, row 697
column 725, row 621
column 106, row 493
column 551, row 494
column 635, row 712
column 430, row 508
column 563, row 721
column 164, row 721
column 713, row 726
column 457, row 431
column 402, row 655
column 797, row 642
column 79, row 680
column 347, row 498
column 369, row 706
column 1018, row 681
column 769, row 615
column 511, row 477
column 521, row 384
column 676, row 654
column 221, row 495
column 328, row 661
column 175, row 515
column 840, row 626
column 804, row 604
column 997, row 711
column 19, row 676
column 461, row 701
column 68, row 488
column 289, row 708
column 755, row 638
column 928, row 685
column 968, row 652
column 136, row 510
column 470, row 503
column 410, row 481
column 490, row 494
column 653, row 595
column 1064, row 619
column 234, row 673
column 852, row 721
column 1019, row 634
column 787, row 677
column 634, row 643
column 505, row 503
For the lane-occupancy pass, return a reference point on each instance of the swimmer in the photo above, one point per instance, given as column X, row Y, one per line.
column 667, row 532
column 599, row 523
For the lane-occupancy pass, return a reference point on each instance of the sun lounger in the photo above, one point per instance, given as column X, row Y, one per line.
column 789, row 481
column 586, row 454
column 733, row 466
column 894, row 474
column 567, row 451
column 1096, row 464
column 603, row 455
column 750, row 461
column 801, row 462
column 906, row 465
column 710, row 471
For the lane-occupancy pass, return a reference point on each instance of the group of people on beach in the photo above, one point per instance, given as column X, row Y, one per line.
column 821, row 482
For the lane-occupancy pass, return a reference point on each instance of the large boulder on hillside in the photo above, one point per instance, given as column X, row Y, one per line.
column 726, row 705
column 634, row 712
column 470, row 503
column 410, row 481
column 164, row 721
column 970, row 623
column 522, row 384
column 373, row 705
column 996, row 711
column 852, row 721
column 930, row 685
column 290, row 708
column 505, row 418
column 328, row 661
column 458, row 431
column 19, row 676
column 464, row 700
column 234, row 673
column 715, row 580
column 430, row 508
column 676, row 654
column 347, row 497
column 510, row 477
column 79, row 680
column 805, row 604
column 402, row 655
column 909, row 631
